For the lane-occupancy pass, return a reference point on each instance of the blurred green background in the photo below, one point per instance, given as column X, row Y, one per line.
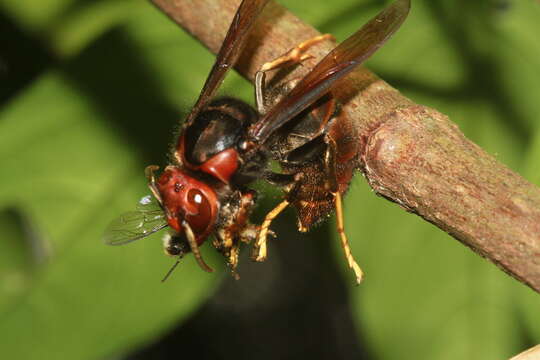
column 90, row 92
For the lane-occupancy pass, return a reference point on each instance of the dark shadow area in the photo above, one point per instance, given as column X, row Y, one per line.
column 23, row 57
column 27, row 248
column 293, row 306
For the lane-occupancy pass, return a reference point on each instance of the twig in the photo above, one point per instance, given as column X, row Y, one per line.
column 410, row 154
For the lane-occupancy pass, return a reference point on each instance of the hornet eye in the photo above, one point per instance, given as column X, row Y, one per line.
column 201, row 218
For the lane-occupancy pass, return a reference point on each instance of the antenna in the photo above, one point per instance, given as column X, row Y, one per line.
column 195, row 247
column 171, row 269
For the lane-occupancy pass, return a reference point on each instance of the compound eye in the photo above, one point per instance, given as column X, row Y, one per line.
column 202, row 217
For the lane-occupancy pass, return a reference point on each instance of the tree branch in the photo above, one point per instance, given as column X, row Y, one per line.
column 410, row 154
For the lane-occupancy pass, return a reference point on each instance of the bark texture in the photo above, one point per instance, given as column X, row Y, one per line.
column 410, row 154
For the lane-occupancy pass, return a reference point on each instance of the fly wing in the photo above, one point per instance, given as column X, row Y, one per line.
column 234, row 41
column 333, row 67
column 135, row 225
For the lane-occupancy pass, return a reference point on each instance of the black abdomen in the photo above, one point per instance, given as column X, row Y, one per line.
column 218, row 127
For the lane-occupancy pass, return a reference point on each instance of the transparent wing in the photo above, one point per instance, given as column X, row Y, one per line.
column 338, row 63
column 134, row 225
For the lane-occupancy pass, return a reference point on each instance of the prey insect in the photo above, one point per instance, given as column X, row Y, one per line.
column 225, row 145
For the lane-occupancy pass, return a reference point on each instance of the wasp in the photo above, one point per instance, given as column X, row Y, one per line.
column 225, row 145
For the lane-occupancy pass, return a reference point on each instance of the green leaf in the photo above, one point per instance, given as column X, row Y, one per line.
column 70, row 174
column 424, row 293
column 74, row 143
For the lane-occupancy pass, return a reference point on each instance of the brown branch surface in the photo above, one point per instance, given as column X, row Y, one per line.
column 410, row 154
